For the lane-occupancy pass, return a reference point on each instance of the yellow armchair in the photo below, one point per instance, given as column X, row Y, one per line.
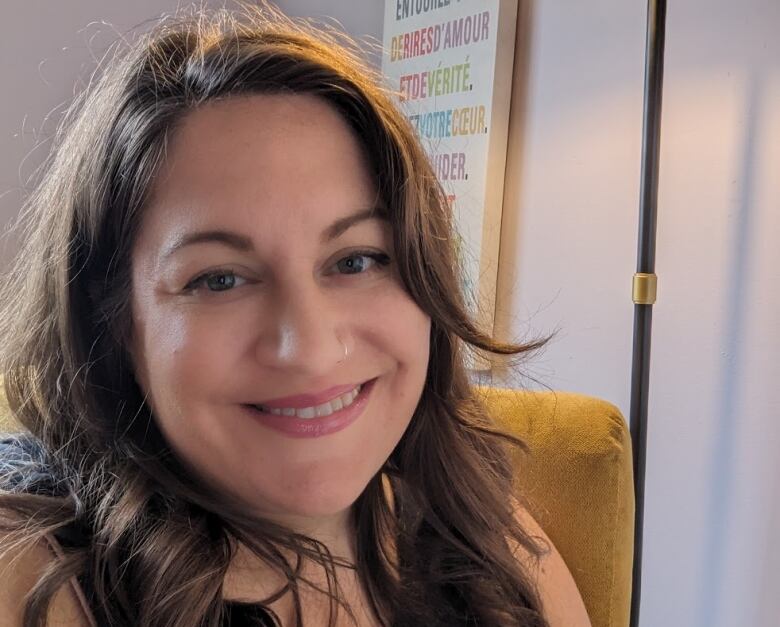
column 578, row 479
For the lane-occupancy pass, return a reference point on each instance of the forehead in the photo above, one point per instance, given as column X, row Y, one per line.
column 274, row 159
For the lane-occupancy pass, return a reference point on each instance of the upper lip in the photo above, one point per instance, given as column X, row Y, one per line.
column 310, row 399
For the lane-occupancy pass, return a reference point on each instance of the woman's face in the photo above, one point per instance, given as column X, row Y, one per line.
column 257, row 262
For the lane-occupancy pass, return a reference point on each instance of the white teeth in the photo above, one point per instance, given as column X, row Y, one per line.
column 346, row 399
column 326, row 409
column 306, row 412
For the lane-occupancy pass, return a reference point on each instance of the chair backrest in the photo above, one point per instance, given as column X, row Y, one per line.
column 578, row 480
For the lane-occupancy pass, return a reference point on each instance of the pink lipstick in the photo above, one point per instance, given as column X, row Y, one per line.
column 296, row 427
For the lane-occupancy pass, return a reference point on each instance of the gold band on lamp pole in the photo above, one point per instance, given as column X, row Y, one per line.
column 645, row 288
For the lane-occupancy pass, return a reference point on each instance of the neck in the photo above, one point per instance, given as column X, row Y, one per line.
column 250, row 578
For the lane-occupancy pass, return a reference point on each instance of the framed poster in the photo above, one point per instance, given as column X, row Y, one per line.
column 450, row 62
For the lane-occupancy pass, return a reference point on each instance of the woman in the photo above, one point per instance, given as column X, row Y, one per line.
column 236, row 338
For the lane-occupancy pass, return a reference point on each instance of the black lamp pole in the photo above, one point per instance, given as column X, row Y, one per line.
column 645, row 280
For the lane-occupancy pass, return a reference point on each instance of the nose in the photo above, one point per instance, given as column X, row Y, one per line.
column 306, row 333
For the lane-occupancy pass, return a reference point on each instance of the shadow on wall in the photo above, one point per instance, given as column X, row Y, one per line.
column 723, row 466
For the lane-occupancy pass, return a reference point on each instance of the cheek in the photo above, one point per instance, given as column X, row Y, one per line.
column 403, row 327
column 175, row 356
column 401, row 332
column 186, row 361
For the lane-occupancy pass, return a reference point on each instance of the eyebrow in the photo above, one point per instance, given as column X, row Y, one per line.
column 244, row 244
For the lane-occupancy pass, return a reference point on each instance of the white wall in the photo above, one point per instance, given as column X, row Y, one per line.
column 713, row 494
column 46, row 49
column 360, row 19
column 715, row 372
column 569, row 246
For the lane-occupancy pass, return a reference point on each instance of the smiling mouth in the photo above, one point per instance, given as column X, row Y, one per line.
column 315, row 411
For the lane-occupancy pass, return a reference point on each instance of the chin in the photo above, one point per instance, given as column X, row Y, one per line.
column 321, row 500
column 324, row 503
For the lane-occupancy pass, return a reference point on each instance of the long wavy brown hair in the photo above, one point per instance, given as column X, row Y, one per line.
column 152, row 542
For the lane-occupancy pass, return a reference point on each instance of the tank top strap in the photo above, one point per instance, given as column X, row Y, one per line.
column 55, row 547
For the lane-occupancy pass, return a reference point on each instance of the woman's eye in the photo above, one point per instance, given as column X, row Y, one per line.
column 361, row 262
column 218, row 281
column 358, row 263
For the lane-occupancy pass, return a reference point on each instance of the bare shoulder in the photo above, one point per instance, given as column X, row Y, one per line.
column 20, row 568
column 563, row 605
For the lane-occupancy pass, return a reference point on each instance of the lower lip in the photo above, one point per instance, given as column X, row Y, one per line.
column 315, row 427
